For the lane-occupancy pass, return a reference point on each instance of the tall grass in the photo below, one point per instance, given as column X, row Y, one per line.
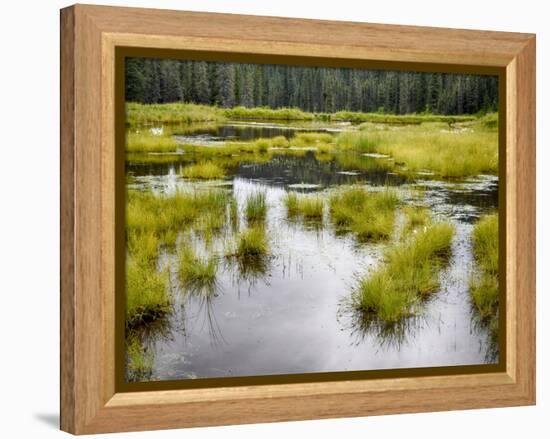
column 267, row 113
column 145, row 141
column 147, row 295
column 180, row 112
column 369, row 215
column 484, row 287
column 409, row 119
column 252, row 243
column 196, row 273
column 255, row 207
column 309, row 207
column 146, row 211
column 365, row 142
column 410, row 272
column 417, row 217
column 205, row 170
column 448, row 153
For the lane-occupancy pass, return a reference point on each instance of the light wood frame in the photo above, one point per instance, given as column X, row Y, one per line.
column 89, row 36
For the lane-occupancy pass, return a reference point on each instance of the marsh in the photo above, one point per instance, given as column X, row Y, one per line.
column 260, row 237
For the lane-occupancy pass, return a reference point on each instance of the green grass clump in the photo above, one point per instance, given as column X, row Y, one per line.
column 369, row 215
column 147, row 295
column 417, row 217
column 262, row 145
column 143, row 244
column 145, row 141
column 196, row 273
column 410, row 272
column 146, row 211
column 139, row 362
column 255, row 207
column 365, row 142
column 179, row 112
column 311, row 139
column 206, row 170
column 252, row 243
column 310, row 207
column 484, row 287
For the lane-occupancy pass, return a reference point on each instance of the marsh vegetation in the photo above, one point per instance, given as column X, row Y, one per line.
column 276, row 239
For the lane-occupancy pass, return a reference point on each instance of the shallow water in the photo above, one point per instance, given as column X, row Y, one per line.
column 291, row 315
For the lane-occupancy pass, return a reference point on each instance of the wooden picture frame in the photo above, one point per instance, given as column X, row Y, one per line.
column 90, row 38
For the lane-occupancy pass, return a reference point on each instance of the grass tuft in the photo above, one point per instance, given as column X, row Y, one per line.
column 369, row 215
column 256, row 207
column 206, row 170
column 251, row 243
column 196, row 273
column 309, row 207
column 411, row 271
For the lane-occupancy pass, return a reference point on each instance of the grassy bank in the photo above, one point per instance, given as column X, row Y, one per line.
column 448, row 153
column 409, row 273
column 139, row 114
column 484, row 285
column 187, row 112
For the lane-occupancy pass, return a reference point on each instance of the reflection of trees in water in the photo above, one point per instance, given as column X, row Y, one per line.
column 306, row 169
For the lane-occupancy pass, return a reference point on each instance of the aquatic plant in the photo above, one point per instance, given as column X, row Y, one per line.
column 369, row 215
column 310, row 207
column 416, row 217
column 252, row 242
column 410, row 272
column 143, row 244
column 196, row 273
column 255, row 207
column 484, row 286
column 446, row 152
column 144, row 141
column 267, row 113
column 147, row 295
column 205, row 170
column 147, row 211
column 179, row 112
column 139, row 361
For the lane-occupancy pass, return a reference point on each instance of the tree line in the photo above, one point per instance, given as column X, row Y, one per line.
column 314, row 89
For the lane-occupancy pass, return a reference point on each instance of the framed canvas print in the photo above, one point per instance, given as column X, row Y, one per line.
column 271, row 219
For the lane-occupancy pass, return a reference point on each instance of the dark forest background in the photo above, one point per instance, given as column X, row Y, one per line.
column 315, row 89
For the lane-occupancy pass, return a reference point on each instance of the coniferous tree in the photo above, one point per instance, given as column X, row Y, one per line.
column 316, row 89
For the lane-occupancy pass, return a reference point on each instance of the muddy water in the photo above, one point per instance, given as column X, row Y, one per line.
column 291, row 315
